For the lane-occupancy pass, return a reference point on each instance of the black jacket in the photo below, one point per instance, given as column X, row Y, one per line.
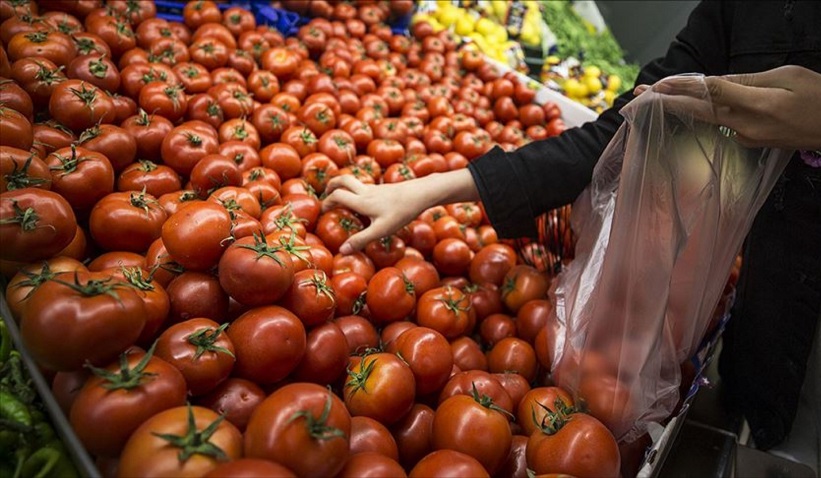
column 778, row 306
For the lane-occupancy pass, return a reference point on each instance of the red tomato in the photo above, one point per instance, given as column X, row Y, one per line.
column 148, row 132
column 185, row 145
column 349, row 289
column 235, row 398
column 155, row 298
column 269, row 343
column 371, row 436
column 467, row 354
column 250, row 467
column 255, row 272
column 184, row 441
column 532, row 316
column 446, row 310
column 126, row 393
column 197, row 294
column 195, row 236
column 126, row 221
column 200, row 350
column 492, row 263
column 390, row 296
column 35, row 224
column 522, row 284
column 310, row 297
column 496, row 327
column 421, row 273
column 81, row 176
column 302, row 426
column 463, row 383
column 576, row 444
column 454, row 426
column 370, row 464
column 22, row 286
column 429, row 356
column 380, row 386
column 326, row 356
column 360, row 333
column 79, row 105
column 155, row 179
column 514, row 355
column 79, row 317
column 448, row 463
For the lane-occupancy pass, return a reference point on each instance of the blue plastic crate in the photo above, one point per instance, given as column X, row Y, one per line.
column 171, row 10
column 282, row 20
column 401, row 25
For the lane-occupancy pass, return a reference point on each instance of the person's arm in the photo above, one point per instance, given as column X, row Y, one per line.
column 518, row 186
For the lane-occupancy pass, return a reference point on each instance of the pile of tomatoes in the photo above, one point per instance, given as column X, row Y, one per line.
column 174, row 275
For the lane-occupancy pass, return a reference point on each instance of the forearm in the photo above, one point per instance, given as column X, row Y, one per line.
column 445, row 188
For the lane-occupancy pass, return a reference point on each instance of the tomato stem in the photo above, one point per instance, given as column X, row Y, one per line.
column 19, row 178
column 318, row 428
column 204, row 339
column 27, row 218
column 126, row 378
column 196, row 442
column 358, row 379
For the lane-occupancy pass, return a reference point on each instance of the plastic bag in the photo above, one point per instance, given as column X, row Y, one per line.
column 671, row 201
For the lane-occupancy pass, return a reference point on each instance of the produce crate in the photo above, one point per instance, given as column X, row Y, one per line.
column 82, row 460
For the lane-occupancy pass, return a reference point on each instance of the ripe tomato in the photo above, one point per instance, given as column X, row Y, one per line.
column 185, row 441
column 429, row 356
column 496, row 327
column 195, row 236
column 370, row 436
column 326, row 356
column 380, row 386
column 515, row 355
column 452, row 256
column 31, row 277
column 421, row 273
column 463, row 383
column 492, row 263
column 446, row 310
column 126, row 393
column 360, row 334
column 35, row 224
column 199, row 349
column 532, row 316
column 154, row 179
column 390, row 296
column 467, row 354
column 269, row 343
column 310, row 297
column 455, row 424
column 385, row 252
column 79, row 105
column 531, row 412
column 81, row 176
column 74, row 318
column 302, row 426
column 255, row 272
column 126, row 221
column 113, row 142
column 448, row 463
column 235, row 398
column 349, row 289
column 371, row 464
column 155, row 297
column 246, row 467
column 148, row 132
column 576, row 444
column 185, row 145
column 197, row 294
column 522, row 284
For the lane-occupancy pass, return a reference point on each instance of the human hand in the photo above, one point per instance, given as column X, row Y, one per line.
column 776, row 108
column 391, row 206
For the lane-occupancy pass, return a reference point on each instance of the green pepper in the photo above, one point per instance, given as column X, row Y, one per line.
column 5, row 342
column 13, row 410
column 51, row 460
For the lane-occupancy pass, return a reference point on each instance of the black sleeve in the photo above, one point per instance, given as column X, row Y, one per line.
column 518, row 186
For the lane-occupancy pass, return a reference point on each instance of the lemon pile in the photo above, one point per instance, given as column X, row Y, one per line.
column 586, row 84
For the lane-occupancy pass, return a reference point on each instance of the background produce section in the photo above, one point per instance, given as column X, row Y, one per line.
column 174, row 276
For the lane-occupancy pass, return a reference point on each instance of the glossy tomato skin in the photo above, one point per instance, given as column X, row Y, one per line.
column 522, row 284
column 369, row 435
column 79, row 105
column 195, row 236
column 380, row 386
column 250, row 468
column 371, row 465
column 23, row 284
column 311, row 297
column 429, row 356
column 485, row 383
column 515, row 355
column 235, row 398
column 446, row 310
column 492, row 263
column 200, row 350
column 196, row 295
column 455, row 427
column 52, row 227
column 326, row 356
column 81, row 176
column 254, row 272
column 280, row 430
column 126, row 221
column 269, row 343
column 63, row 328
column 127, row 408
column 390, row 296
column 360, row 334
column 148, row 454
column 448, row 463
column 582, row 447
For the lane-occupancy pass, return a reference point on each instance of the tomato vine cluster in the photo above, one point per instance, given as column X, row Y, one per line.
column 172, row 271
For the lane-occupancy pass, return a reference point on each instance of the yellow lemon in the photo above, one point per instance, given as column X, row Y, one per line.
column 609, row 97
column 613, row 83
column 464, row 25
column 485, row 26
column 448, row 15
column 592, row 71
column 593, row 84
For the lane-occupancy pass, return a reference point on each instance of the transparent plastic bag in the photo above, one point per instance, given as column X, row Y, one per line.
column 671, row 201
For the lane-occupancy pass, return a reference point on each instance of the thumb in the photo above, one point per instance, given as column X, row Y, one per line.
column 358, row 241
